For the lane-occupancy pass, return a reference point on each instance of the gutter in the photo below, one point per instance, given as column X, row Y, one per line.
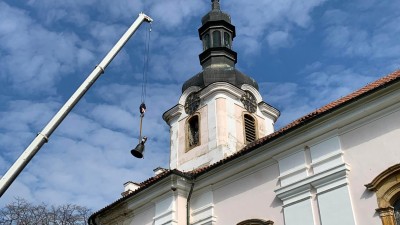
column 188, row 204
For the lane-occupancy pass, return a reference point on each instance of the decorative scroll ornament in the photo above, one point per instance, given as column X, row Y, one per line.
column 192, row 103
column 249, row 102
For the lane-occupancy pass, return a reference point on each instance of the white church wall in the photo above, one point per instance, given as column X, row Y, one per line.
column 174, row 156
column 170, row 208
column 335, row 207
column 212, row 125
column 181, row 203
column 326, row 155
column 370, row 146
column 315, row 171
column 222, row 122
column 248, row 195
column 318, row 178
column 231, row 126
column 144, row 215
column 165, row 212
column 268, row 122
column 340, row 167
column 300, row 213
column 202, row 209
column 239, row 124
column 292, row 168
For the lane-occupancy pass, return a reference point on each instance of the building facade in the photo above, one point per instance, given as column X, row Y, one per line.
column 336, row 165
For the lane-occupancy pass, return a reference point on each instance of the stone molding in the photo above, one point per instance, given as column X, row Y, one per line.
column 256, row 222
column 387, row 189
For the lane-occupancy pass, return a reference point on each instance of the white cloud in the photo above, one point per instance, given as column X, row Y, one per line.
column 112, row 116
column 322, row 84
column 106, row 35
column 84, row 153
column 369, row 36
column 278, row 39
column 25, row 115
column 256, row 21
column 288, row 98
column 173, row 13
column 36, row 57
column 354, row 42
column 80, row 12
column 160, row 97
column 335, row 16
column 177, row 59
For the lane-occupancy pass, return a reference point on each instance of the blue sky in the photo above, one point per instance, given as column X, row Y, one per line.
column 303, row 54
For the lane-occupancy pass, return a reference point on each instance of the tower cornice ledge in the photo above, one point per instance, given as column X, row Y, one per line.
column 269, row 111
column 173, row 113
column 222, row 87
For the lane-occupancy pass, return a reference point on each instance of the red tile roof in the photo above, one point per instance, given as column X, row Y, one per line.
column 366, row 90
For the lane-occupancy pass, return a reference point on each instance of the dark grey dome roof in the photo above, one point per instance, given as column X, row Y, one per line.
column 215, row 14
column 218, row 59
column 225, row 74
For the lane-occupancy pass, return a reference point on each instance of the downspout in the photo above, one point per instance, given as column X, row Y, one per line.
column 188, row 204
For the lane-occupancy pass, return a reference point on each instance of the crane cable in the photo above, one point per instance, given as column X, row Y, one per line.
column 146, row 64
column 142, row 107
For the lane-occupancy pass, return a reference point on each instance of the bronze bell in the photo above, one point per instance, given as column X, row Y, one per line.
column 139, row 149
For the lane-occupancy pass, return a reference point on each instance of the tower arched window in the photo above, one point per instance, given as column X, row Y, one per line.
column 216, row 38
column 227, row 40
column 250, row 132
column 206, row 41
column 193, row 132
column 396, row 208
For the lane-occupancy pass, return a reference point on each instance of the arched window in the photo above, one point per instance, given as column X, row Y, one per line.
column 206, row 41
column 256, row 222
column 216, row 39
column 193, row 132
column 227, row 40
column 396, row 208
column 387, row 189
column 249, row 128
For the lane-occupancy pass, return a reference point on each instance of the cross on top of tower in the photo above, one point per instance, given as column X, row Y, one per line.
column 215, row 5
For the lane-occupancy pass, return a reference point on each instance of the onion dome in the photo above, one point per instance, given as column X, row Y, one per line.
column 218, row 59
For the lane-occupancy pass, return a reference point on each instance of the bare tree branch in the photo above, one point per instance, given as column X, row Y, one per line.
column 21, row 212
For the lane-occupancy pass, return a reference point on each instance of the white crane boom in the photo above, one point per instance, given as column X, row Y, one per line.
column 44, row 135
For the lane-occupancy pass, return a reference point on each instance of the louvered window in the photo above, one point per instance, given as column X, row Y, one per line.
column 249, row 128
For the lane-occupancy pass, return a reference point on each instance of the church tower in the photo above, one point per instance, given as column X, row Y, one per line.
column 220, row 109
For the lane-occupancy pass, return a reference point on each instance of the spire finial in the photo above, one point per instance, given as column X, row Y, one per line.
column 215, row 5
